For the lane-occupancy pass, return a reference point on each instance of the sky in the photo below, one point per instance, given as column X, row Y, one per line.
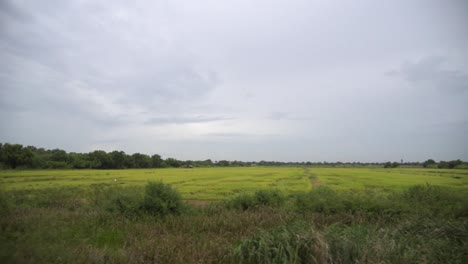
column 238, row 80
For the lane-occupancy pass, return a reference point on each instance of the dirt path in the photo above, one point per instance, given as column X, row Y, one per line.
column 313, row 178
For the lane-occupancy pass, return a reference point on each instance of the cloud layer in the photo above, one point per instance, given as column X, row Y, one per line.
column 246, row 80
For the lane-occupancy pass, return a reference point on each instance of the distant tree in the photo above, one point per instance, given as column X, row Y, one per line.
column 17, row 156
column 449, row 164
column 428, row 163
column 171, row 162
column 58, row 155
column 14, row 155
column 188, row 163
column 207, row 162
column 118, row 159
column 156, row 161
column 11, row 155
column 129, row 162
column 141, row 160
column 237, row 163
column 100, row 160
column 223, row 163
column 79, row 160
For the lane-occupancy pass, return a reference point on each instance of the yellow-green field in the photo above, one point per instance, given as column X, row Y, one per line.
column 391, row 179
column 221, row 183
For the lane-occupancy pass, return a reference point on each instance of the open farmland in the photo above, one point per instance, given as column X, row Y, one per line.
column 222, row 183
column 389, row 179
column 198, row 183
column 254, row 215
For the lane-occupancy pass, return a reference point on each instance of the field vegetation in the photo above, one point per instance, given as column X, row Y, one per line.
column 255, row 215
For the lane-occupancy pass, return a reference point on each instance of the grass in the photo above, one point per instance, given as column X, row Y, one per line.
column 199, row 183
column 370, row 216
column 223, row 183
column 389, row 179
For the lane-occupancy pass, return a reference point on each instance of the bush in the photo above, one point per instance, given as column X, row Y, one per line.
column 436, row 200
column 427, row 194
column 242, row 201
column 295, row 243
column 124, row 203
column 370, row 202
column 271, row 198
column 161, row 199
column 320, row 200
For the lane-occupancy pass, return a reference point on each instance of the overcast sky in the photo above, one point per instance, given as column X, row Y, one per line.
column 246, row 80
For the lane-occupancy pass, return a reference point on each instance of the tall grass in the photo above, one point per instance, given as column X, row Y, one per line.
column 294, row 243
column 268, row 198
column 102, row 224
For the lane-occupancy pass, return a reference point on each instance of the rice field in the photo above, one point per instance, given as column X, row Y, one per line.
column 223, row 183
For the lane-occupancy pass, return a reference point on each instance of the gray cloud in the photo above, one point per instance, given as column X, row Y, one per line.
column 185, row 119
column 300, row 80
column 285, row 116
column 435, row 72
column 97, row 57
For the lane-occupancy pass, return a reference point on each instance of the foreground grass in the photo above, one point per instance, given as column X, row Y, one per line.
column 110, row 224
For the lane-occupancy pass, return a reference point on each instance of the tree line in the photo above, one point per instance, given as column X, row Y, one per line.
column 14, row 156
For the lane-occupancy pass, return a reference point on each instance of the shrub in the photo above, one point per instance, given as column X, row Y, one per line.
column 161, row 199
column 436, row 200
column 124, row 203
column 328, row 201
column 271, row 198
column 427, row 194
column 321, row 200
column 242, row 201
column 295, row 243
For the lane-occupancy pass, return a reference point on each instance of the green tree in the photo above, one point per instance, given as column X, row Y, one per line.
column 100, row 160
column 141, row 160
column 223, row 163
column 428, row 163
column 171, row 162
column 79, row 160
column 118, row 159
column 11, row 155
column 156, row 161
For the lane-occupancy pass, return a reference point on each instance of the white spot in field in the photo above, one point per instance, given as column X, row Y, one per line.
column 115, row 179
